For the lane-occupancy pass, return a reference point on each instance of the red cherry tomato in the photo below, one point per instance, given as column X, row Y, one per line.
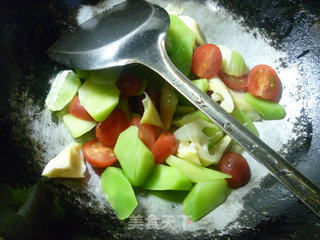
column 263, row 82
column 107, row 132
column 76, row 109
column 165, row 146
column 98, row 155
column 129, row 84
column 206, row 61
column 236, row 166
column 134, row 122
column 147, row 133
column 234, row 82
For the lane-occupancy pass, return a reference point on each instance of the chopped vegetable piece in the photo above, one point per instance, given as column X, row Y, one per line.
column 76, row 109
column 82, row 74
column 179, row 44
column 215, row 151
column 165, row 146
column 69, row 163
column 204, row 197
column 168, row 104
column 188, row 151
column 119, row 192
column 129, row 84
column 184, row 109
column 263, row 82
column 167, row 178
column 108, row 131
column 98, row 100
column 199, row 130
column 150, row 114
column 234, row 82
column 124, row 106
column 64, row 87
column 214, row 132
column 192, row 24
column 241, row 104
column 268, row 110
column 135, row 158
column 76, row 126
column 195, row 173
column 106, row 77
column 206, row 61
column 98, row 155
column 245, row 120
column 232, row 62
column 236, row 166
column 216, row 85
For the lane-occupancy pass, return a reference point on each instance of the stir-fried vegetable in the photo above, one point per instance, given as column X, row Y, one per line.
column 64, row 88
column 232, row 62
column 179, row 44
column 167, row 178
column 118, row 189
column 150, row 115
column 168, row 104
column 140, row 124
column 267, row 110
column 204, row 197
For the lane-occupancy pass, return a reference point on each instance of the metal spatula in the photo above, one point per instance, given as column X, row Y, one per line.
column 134, row 32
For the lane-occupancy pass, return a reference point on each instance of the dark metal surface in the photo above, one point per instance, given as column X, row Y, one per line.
column 270, row 212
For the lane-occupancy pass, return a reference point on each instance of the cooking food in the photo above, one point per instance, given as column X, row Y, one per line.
column 158, row 138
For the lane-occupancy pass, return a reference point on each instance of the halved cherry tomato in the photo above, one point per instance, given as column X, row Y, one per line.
column 236, row 166
column 76, row 109
column 129, row 84
column 234, row 82
column 107, row 132
column 147, row 133
column 263, row 82
column 206, row 61
column 165, row 146
column 98, row 155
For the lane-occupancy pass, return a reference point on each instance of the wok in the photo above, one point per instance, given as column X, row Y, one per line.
column 284, row 34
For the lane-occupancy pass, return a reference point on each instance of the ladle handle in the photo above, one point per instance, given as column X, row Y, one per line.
column 304, row 189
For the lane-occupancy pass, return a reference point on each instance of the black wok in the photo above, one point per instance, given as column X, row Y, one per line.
column 30, row 136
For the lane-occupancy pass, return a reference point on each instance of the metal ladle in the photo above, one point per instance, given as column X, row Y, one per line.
column 135, row 32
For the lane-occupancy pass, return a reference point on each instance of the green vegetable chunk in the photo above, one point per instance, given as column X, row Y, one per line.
column 119, row 192
column 135, row 158
column 245, row 120
column 98, row 100
column 63, row 89
column 76, row 126
column 204, row 197
column 168, row 104
column 267, row 110
column 167, row 178
column 179, row 44
column 195, row 173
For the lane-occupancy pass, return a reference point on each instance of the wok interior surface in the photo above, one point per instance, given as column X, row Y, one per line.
column 284, row 34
